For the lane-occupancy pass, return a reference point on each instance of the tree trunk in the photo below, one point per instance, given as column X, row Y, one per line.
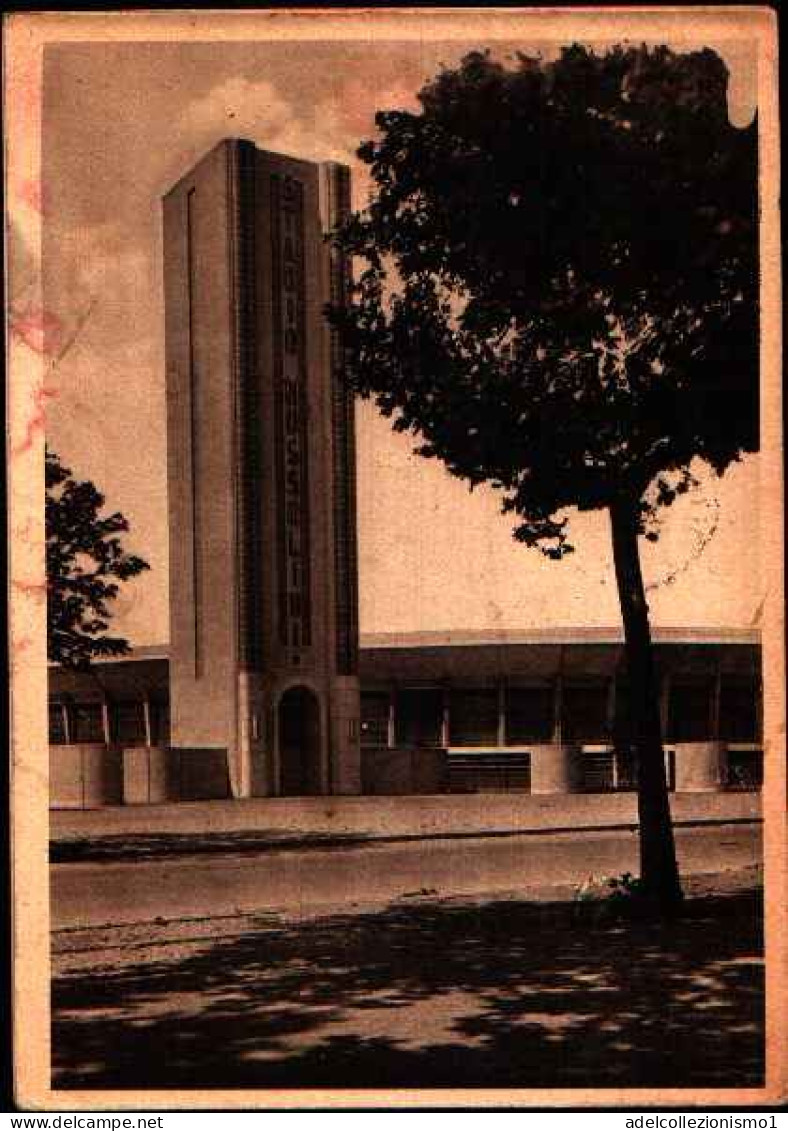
column 658, row 869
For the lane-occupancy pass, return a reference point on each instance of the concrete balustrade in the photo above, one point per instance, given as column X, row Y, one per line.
column 147, row 776
column 84, row 775
column 555, row 768
column 403, row 770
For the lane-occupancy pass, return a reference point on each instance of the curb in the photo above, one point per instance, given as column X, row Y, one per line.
column 116, row 848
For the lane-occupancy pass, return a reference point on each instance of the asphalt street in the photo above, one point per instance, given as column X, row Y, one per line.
column 93, row 894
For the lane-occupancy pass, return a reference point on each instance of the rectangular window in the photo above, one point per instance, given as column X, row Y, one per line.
column 622, row 713
column 473, row 717
column 374, row 718
column 57, row 725
column 529, row 715
column 689, row 716
column 419, row 716
column 585, row 713
column 128, row 720
column 739, row 711
column 88, row 724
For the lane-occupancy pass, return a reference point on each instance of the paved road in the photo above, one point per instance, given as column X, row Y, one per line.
column 93, row 894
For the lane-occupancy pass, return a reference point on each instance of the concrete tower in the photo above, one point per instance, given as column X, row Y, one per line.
column 261, row 469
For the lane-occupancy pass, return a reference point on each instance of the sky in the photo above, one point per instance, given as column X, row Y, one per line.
column 121, row 123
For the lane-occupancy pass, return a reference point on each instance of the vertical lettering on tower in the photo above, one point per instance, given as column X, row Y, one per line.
column 248, row 474
column 287, row 229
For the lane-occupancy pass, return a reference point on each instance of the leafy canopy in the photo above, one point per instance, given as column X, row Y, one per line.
column 84, row 557
column 558, row 291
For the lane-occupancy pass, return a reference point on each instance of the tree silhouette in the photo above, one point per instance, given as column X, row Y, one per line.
column 558, row 296
column 84, row 557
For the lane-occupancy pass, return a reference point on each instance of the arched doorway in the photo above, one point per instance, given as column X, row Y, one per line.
column 299, row 743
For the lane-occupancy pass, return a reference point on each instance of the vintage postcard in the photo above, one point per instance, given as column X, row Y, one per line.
column 396, row 535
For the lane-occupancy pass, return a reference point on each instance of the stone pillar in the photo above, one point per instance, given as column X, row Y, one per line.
column 106, row 722
column 345, row 752
column 391, row 729
column 161, row 787
column 66, row 723
column 558, row 705
column 716, row 703
column 700, row 766
column 501, row 713
column 147, row 716
column 554, row 768
column 445, row 735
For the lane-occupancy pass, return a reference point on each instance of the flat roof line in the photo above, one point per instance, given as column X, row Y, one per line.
column 466, row 638
column 666, row 635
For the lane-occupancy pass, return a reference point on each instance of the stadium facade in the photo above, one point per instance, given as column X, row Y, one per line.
column 263, row 689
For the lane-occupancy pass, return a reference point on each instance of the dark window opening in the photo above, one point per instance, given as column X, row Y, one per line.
column 129, row 723
column 739, row 712
column 473, row 718
column 529, row 715
column 689, row 716
column 87, row 722
column 57, row 725
column 374, row 718
column 419, row 716
column 585, row 714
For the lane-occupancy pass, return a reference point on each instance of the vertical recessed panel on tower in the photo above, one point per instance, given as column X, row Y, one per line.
column 263, row 587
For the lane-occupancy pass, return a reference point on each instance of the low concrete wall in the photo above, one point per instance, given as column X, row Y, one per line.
column 90, row 775
column 85, row 775
column 148, row 777
column 448, row 814
column 700, row 766
column 556, row 768
column 397, row 771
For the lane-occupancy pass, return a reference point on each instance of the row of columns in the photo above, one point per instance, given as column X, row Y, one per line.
column 557, row 766
column 501, row 735
column 558, row 711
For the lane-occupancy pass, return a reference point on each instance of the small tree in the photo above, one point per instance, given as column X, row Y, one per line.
column 84, row 556
column 559, row 297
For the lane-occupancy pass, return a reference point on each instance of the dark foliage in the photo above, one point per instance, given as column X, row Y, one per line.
column 559, row 292
column 520, row 997
column 558, row 296
column 85, row 559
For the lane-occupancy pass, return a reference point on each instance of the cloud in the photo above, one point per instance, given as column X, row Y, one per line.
column 257, row 111
column 124, row 126
column 237, row 106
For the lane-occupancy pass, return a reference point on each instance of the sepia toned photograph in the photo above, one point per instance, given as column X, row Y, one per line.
column 396, row 558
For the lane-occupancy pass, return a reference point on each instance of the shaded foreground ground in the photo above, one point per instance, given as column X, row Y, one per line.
column 507, row 992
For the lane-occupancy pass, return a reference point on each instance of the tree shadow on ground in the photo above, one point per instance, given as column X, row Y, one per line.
column 498, row 994
column 158, row 846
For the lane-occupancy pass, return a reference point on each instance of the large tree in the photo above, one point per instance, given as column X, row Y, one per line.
column 557, row 294
column 85, row 560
